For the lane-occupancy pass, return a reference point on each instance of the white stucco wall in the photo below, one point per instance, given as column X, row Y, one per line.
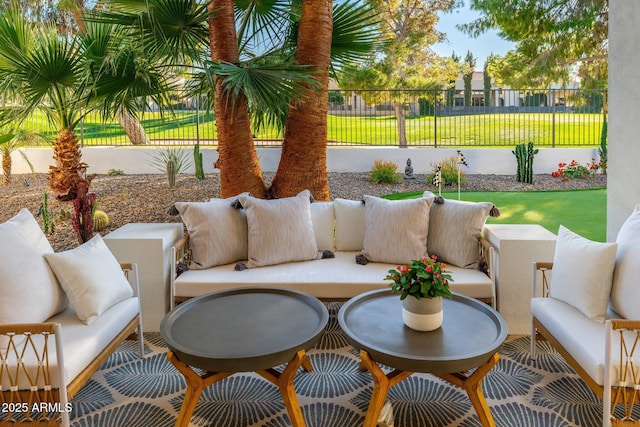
column 624, row 113
column 136, row 160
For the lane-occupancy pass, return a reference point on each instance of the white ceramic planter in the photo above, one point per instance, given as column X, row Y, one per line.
column 424, row 314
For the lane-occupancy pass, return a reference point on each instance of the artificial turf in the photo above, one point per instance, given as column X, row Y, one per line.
column 581, row 211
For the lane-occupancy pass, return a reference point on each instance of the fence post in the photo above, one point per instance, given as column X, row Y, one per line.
column 435, row 119
column 553, row 118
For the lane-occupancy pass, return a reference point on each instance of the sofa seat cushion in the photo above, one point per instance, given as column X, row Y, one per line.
column 582, row 337
column 81, row 342
column 333, row 278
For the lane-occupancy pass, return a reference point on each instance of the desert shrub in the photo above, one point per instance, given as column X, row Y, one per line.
column 448, row 172
column 385, row 172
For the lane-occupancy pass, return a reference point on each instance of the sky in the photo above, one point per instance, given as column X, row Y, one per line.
column 460, row 43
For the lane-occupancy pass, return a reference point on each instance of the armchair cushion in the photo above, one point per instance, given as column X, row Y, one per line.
column 625, row 292
column 29, row 291
column 582, row 273
column 91, row 277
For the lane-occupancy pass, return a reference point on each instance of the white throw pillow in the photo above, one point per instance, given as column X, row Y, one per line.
column 625, row 291
column 323, row 220
column 396, row 230
column 217, row 232
column 280, row 230
column 29, row 291
column 349, row 224
column 582, row 273
column 92, row 278
column 454, row 229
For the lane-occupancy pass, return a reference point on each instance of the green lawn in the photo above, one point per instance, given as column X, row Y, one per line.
column 478, row 130
column 582, row 211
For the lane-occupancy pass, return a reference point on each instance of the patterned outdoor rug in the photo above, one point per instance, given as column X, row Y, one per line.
column 130, row 392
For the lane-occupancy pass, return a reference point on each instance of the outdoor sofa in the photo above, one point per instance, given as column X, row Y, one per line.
column 332, row 250
column 590, row 312
column 61, row 316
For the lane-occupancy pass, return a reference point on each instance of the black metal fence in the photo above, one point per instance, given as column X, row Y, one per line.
column 435, row 118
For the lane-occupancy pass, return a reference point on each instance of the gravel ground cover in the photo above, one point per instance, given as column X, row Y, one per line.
column 145, row 198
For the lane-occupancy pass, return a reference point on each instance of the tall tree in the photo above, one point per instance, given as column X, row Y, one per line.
column 406, row 61
column 551, row 36
column 303, row 162
column 467, row 78
column 238, row 161
column 486, row 83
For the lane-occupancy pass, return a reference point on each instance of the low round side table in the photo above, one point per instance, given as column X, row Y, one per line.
column 470, row 337
column 243, row 330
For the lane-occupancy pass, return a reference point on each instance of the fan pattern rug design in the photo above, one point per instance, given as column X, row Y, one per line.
column 131, row 392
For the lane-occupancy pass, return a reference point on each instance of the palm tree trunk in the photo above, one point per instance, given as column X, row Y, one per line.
column 68, row 170
column 132, row 127
column 237, row 158
column 6, row 168
column 303, row 163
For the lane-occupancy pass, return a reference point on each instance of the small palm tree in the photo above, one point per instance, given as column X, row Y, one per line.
column 10, row 142
column 69, row 76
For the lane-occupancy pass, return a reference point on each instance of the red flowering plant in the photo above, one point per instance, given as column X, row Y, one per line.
column 421, row 278
column 575, row 170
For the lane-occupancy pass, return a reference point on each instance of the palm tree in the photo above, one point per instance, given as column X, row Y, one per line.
column 67, row 77
column 10, row 142
column 256, row 81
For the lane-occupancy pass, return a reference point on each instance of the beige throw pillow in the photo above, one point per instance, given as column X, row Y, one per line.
column 582, row 273
column 92, row 278
column 454, row 229
column 396, row 230
column 29, row 291
column 279, row 230
column 217, row 232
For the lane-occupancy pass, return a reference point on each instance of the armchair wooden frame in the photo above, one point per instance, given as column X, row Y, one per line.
column 41, row 404
column 620, row 398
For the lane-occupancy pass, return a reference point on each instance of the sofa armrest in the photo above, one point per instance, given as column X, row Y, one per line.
column 180, row 258
column 22, row 388
column 624, row 389
column 487, row 254
column 544, row 268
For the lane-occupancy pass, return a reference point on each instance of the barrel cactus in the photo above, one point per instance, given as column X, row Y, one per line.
column 100, row 220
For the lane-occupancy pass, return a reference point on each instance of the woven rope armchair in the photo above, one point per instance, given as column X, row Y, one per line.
column 32, row 364
column 620, row 388
column 32, row 395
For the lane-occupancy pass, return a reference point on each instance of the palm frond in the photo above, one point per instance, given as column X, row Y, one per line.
column 268, row 88
column 263, row 25
column 355, row 34
column 175, row 30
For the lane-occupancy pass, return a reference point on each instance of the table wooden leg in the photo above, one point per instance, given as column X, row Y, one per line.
column 195, row 385
column 473, row 386
column 381, row 384
column 284, row 381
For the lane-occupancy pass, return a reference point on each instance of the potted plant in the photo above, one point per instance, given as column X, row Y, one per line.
column 425, row 281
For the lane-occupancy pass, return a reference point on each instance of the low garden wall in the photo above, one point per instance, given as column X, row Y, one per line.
column 137, row 160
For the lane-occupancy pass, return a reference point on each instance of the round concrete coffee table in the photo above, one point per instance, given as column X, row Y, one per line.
column 243, row 330
column 470, row 337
